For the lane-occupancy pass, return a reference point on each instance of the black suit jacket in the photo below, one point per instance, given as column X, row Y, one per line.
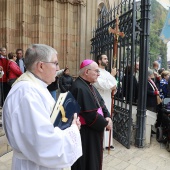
column 17, row 61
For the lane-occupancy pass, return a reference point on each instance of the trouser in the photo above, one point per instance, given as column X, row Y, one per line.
column 5, row 88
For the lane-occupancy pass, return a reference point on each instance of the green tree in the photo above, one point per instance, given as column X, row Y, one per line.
column 157, row 47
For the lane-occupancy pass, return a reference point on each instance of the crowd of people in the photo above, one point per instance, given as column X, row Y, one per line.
column 31, row 83
column 157, row 90
column 13, row 66
column 158, row 87
column 36, row 143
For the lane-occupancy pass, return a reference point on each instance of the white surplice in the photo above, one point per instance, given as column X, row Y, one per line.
column 104, row 83
column 36, row 144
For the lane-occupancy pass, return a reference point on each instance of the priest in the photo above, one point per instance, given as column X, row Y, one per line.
column 94, row 117
column 36, row 143
column 106, row 82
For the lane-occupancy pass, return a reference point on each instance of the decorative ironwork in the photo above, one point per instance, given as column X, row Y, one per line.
column 120, row 126
column 128, row 57
column 116, row 33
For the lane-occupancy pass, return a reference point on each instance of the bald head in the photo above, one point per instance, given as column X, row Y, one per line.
column 90, row 72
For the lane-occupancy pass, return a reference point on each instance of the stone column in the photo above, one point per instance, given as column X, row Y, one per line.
column 3, row 19
column 19, row 21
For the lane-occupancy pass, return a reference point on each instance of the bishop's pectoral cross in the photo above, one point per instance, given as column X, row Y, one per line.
column 116, row 33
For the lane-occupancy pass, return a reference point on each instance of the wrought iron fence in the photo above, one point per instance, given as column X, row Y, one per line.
column 127, row 61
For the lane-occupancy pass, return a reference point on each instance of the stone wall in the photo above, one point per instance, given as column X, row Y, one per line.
column 65, row 25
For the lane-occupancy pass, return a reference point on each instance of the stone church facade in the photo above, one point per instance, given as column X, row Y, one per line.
column 65, row 25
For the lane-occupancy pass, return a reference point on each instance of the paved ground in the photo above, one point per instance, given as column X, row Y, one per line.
column 154, row 157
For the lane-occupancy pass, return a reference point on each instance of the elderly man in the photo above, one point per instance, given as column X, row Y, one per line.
column 94, row 117
column 3, row 53
column 36, row 143
column 106, row 82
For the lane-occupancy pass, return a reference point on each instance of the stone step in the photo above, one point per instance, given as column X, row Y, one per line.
column 2, row 133
column 4, row 147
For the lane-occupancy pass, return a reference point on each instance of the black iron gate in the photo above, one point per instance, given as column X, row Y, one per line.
column 127, row 62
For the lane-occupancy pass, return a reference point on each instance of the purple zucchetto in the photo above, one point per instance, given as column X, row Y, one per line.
column 86, row 63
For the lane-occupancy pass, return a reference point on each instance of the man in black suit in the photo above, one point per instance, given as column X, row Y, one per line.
column 20, row 59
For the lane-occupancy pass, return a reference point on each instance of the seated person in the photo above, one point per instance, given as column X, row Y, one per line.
column 165, row 122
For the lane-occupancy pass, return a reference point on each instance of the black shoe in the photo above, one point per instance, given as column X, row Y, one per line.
column 111, row 148
column 152, row 132
column 157, row 125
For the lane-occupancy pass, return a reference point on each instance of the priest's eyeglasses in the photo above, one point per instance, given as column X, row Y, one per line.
column 97, row 71
column 55, row 63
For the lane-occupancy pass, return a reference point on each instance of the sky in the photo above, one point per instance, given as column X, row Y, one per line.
column 168, row 51
column 164, row 3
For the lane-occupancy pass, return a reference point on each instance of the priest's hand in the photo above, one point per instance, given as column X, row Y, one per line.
column 113, row 72
column 114, row 88
column 76, row 120
column 110, row 124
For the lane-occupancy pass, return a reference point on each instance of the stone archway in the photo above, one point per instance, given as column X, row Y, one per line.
column 107, row 3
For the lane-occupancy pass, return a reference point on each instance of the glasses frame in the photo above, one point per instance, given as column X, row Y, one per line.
column 55, row 63
column 97, row 71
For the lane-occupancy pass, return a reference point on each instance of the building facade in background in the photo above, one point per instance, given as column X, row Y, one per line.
column 65, row 25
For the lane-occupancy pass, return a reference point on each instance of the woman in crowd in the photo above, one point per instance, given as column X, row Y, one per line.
column 164, row 84
column 13, row 70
